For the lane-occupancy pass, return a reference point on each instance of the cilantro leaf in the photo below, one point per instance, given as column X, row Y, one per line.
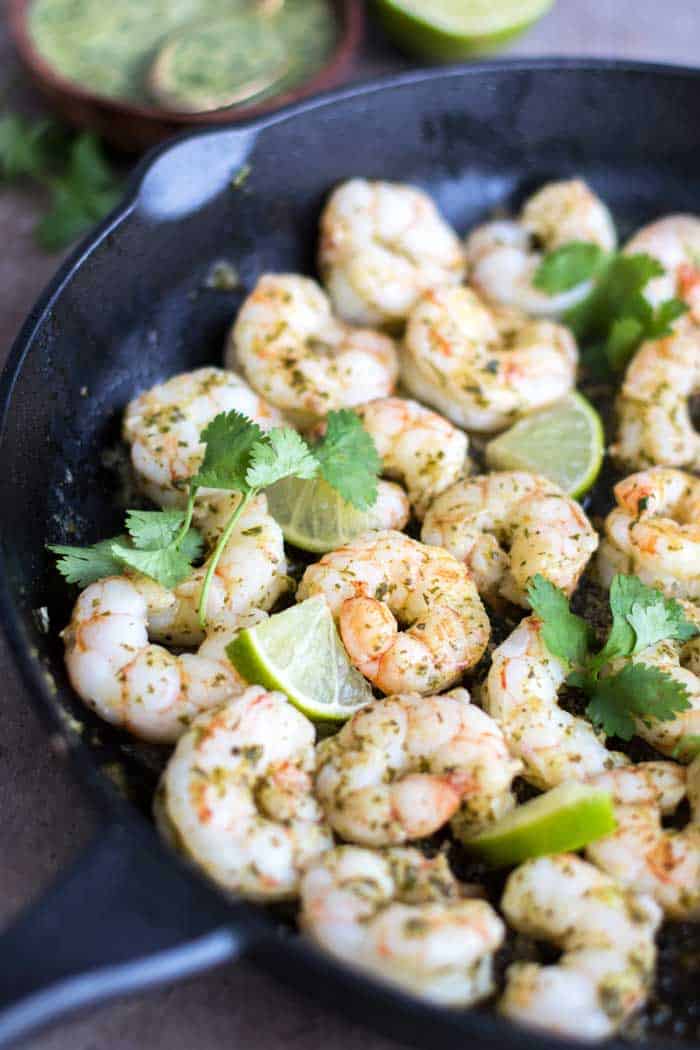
column 229, row 438
column 569, row 265
column 28, row 148
column 168, row 566
column 615, row 316
column 663, row 317
column 80, row 196
column 81, row 183
column 348, row 459
column 636, row 693
column 151, row 529
column 687, row 747
column 86, row 565
column 625, row 335
column 149, row 548
column 282, row 454
column 642, row 616
column 565, row 634
column 656, row 621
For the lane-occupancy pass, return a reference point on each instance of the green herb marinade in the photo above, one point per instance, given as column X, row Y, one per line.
column 109, row 48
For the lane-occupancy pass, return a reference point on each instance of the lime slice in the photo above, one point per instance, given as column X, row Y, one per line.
column 315, row 517
column 453, row 29
column 564, row 441
column 299, row 652
column 563, row 819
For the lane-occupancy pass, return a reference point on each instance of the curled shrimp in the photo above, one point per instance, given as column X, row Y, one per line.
column 402, row 917
column 503, row 256
column 675, row 242
column 654, row 532
column 385, row 578
column 506, row 527
column 382, row 244
column 483, row 368
column 163, row 426
column 136, row 685
column 654, row 420
column 236, row 796
column 404, row 766
column 663, row 862
column 606, row 933
column 521, row 694
column 419, row 448
column 300, row 357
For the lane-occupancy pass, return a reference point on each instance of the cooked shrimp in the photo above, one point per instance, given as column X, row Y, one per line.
column 383, row 244
column 404, row 766
column 250, row 574
column 521, row 695
column 419, row 448
column 401, row 917
column 237, row 796
column 506, row 527
column 654, row 421
column 663, row 862
column 300, row 357
column 654, row 532
column 135, row 685
column 675, row 242
column 163, row 426
column 484, row 369
column 503, row 256
column 606, row 934
column 383, row 577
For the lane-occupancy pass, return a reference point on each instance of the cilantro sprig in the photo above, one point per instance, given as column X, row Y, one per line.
column 82, row 186
column 155, row 544
column 641, row 617
column 238, row 457
column 615, row 317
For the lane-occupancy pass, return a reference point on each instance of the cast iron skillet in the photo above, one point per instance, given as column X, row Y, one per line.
column 130, row 308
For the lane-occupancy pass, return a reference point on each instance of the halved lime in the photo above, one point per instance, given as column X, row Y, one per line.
column 454, row 29
column 315, row 517
column 299, row 652
column 563, row 819
column 564, row 441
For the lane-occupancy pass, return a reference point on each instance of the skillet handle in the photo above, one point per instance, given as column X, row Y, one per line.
column 126, row 916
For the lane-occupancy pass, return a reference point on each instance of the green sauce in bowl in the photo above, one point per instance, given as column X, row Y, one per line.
column 113, row 49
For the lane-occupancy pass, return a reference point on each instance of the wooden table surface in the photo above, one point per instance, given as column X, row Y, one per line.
column 43, row 821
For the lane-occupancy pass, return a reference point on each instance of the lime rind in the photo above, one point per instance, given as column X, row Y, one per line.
column 561, row 821
column 564, row 441
column 299, row 653
column 449, row 31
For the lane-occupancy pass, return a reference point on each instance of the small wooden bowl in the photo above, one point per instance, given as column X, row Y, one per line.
column 134, row 127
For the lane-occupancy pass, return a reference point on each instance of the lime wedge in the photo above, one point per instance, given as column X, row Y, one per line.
column 564, row 441
column 454, row 29
column 563, row 819
column 299, row 652
column 315, row 517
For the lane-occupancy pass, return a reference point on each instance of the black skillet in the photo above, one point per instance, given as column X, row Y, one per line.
column 130, row 308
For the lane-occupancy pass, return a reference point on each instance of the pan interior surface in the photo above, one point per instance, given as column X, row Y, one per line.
column 136, row 307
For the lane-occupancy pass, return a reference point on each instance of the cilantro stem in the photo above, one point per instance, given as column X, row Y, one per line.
column 216, row 556
column 188, row 517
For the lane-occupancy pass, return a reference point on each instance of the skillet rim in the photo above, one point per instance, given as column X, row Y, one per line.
column 263, row 929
